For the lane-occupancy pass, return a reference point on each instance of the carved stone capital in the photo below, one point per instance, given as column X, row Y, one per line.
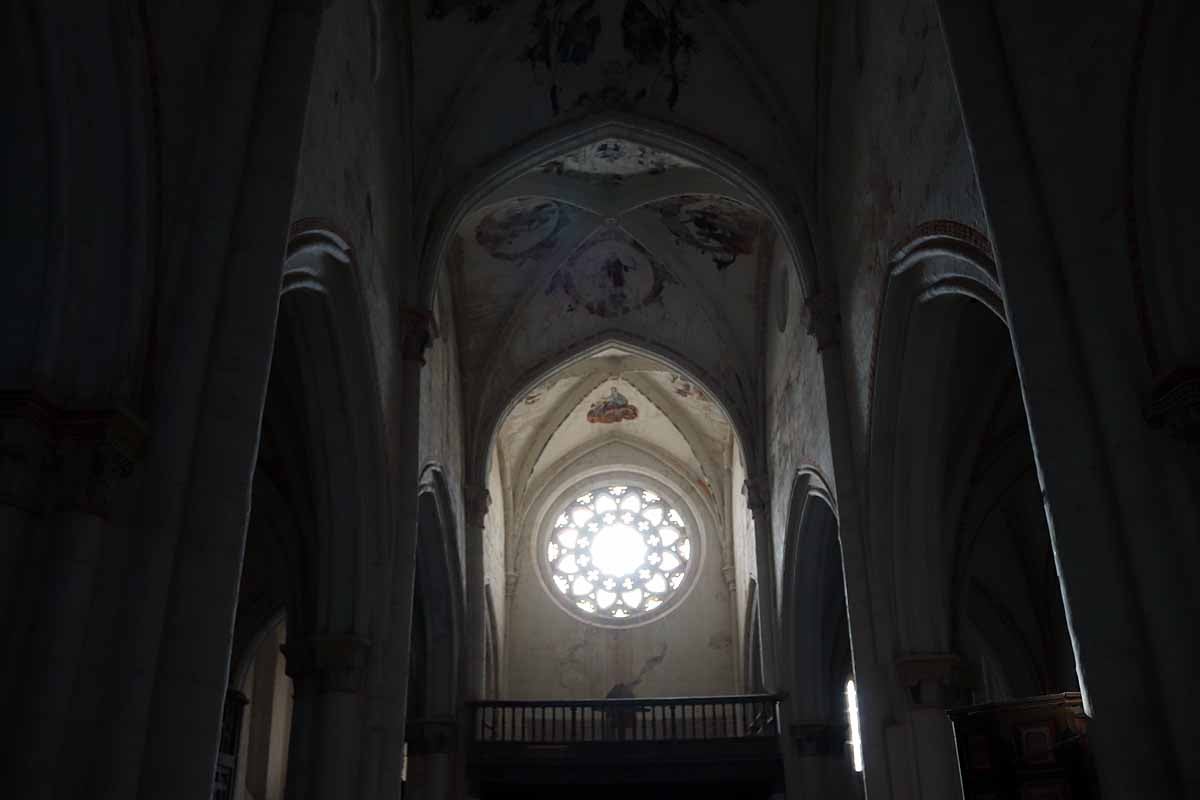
column 729, row 573
column 818, row 738
column 757, row 490
column 58, row 459
column 824, row 320
column 1174, row 404
column 326, row 664
column 476, row 501
column 937, row 680
column 510, row 584
column 416, row 331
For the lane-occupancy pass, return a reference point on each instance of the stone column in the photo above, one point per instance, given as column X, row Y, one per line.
column 933, row 683
column 329, row 676
column 65, row 494
column 816, row 762
column 729, row 575
column 758, row 499
column 477, row 503
column 1127, row 595
column 511, row 578
column 215, row 432
column 431, row 759
column 871, row 675
column 384, row 748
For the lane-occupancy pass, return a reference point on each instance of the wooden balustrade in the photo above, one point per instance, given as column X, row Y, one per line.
column 664, row 719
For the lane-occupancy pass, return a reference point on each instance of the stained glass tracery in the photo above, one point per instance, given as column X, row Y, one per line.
column 618, row 552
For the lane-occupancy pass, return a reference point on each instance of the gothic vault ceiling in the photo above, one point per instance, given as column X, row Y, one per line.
column 614, row 239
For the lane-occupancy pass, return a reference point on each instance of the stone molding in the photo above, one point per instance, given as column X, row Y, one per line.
column 510, row 584
column 1174, row 404
column 933, row 680
column 327, row 664
column 757, row 490
column 59, row 459
column 416, row 328
column 476, row 502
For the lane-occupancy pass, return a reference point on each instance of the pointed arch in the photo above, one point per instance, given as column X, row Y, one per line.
column 439, row 576
column 790, row 215
column 322, row 316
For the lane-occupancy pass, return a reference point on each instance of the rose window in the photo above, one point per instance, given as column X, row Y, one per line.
column 618, row 552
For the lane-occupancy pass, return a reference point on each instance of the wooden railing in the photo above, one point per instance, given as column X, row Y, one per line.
column 666, row 719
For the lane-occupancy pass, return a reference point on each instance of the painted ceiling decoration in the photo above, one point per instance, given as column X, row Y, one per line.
column 522, row 228
column 610, row 276
column 610, row 235
column 612, row 161
column 685, row 388
column 717, row 227
column 602, row 53
column 614, row 408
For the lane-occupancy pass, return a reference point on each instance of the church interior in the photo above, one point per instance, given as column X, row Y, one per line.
column 600, row 398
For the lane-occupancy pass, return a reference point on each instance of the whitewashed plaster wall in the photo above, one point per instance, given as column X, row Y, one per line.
column 553, row 655
column 745, row 558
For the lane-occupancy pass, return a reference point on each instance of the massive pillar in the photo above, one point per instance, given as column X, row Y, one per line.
column 384, row 744
column 871, row 674
column 1050, row 158
column 191, row 669
column 329, row 676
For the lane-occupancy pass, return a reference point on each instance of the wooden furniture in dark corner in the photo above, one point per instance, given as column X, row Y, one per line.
column 1035, row 748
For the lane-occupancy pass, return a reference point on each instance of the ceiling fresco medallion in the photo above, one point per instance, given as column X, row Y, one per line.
column 717, row 227
column 612, row 161
column 614, row 408
column 521, row 229
column 610, row 276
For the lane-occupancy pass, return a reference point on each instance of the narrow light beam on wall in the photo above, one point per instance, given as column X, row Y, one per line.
column 855, row 727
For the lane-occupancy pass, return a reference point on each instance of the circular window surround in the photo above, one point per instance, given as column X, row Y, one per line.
column 668, row 491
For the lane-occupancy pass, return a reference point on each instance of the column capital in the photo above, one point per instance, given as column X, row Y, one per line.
column 328, row 663
column 729, row 573
column 824, row 320
column 417, row 329
column 937, row 680
column 757, row 490
column 510, row 584
column 476, row 501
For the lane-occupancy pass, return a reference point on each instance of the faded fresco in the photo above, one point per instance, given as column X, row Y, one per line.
column 522, row 229
column 612, row 161
column 613, row 408
column 610, row 277
column 717, row 227
column 638, row 49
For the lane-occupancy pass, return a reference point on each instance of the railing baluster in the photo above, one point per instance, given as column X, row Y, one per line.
column 619, row 720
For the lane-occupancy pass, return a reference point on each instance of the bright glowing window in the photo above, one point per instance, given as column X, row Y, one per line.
column 618, row 552
column 855, row 726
